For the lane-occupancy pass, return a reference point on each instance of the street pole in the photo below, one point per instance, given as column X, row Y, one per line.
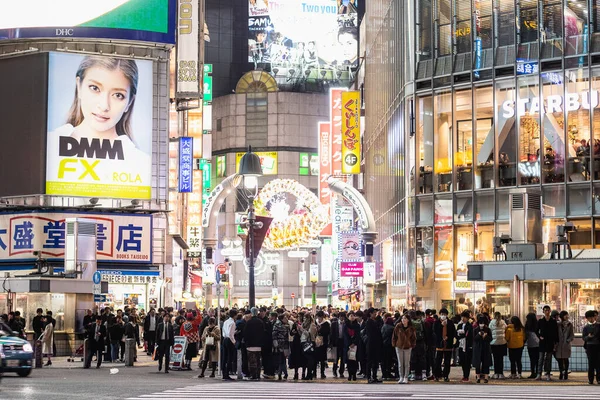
column 219, row 319
column 303, row 286
column 251, row 221
column 313, row 261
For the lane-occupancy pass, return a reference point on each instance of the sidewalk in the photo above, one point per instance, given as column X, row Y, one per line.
column 145, row 361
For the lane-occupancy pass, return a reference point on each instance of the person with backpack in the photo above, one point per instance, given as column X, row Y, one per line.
column 464, row 334
column 417, row 355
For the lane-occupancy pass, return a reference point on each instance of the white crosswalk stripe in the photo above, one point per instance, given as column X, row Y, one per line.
column 309, row 391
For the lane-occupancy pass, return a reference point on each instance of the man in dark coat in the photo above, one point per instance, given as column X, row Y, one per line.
column 374, row 346
column 361, row 354
column 38, row 324
column 547, row 331
column 165, row 339
column 429, row 342
column 267, row 344
column 96, row 335
column 445, row 333
column 150, row 324
column 254, row 333
column 336, row 342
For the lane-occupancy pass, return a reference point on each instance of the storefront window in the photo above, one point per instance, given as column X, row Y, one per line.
column 484, row 206
column 424, row 18
column 463, row 154
column 596, row 198
column 445, row 28
column 553, row 162
column 528, row 110
column 581, row 238
column 583, row 296
column 595, row 149
column 506, row 133
column 502, row 206
column 596, row 26
column 551, row 28
column 576, row 28
column 443, row 209
column 443, row 142
column 497, row 298
column 528, row 48
column 424, row 245
column 553, row 199
column 484, row 250
column 537, row 294
column 484, row 138
column 444, row 249
column 505, row 31
column 580, row 200
column 578, row 126
column 549, row 230
column 463, row 207
column 425, row 210
column 465, row 250
column 425, row 144
column 463, row 26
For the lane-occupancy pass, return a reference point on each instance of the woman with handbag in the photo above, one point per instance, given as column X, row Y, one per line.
column 321, row 343
column 307, row 338
column 297, row 358
column 210, row 348
column 351, row 341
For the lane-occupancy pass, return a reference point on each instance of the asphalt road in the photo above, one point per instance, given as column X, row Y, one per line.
column 70, row 381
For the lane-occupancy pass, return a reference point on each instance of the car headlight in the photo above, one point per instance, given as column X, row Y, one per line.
column 27, row 347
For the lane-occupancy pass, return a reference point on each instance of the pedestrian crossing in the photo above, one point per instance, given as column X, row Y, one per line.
column 309, row 391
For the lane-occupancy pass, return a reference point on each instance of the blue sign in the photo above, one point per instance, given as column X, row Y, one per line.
column 186, row 158
column 100, row 298
column 477, row 56
column 527, row 67
column 97, row 278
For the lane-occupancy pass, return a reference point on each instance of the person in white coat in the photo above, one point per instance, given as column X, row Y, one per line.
column 47, row 339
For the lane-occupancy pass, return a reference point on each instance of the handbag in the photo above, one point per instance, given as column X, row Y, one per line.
column 307, row 347
column 319, row 341
column 352, row 354
column 210, row 341
column 331, row 354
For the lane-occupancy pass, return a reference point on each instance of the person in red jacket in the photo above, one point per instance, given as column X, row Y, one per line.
column 189, row 329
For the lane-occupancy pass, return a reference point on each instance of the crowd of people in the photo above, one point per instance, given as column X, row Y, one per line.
column 272, row 343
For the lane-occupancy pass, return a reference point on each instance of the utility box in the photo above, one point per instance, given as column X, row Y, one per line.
column 526, row 216
column 80, row 248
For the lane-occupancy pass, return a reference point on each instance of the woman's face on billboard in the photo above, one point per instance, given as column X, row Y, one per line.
column 104, row 97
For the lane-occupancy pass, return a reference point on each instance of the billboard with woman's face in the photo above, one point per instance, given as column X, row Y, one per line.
column 140, row 20
column 99, row 127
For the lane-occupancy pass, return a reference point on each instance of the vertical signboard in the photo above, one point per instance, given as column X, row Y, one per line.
column 351, row 132
column 185, row 164
column 326, row 260
column 207, row 82
column 188, row 21
column 205, row 167
column 336, row 130
column 325, row 168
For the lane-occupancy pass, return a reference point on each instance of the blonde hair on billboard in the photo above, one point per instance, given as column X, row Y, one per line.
column 130, row 71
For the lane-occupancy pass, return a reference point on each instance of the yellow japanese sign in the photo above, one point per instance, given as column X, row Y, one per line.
column 268, row 162
column 350, row 132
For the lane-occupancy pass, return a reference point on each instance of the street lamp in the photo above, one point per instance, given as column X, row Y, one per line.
column 250, row 170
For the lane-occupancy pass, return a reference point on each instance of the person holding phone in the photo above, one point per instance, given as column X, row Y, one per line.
column 482, row 349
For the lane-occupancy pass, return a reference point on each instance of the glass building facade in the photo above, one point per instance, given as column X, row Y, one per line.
column 464, row 101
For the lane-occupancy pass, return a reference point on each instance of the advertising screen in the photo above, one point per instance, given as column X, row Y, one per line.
column 305, row 37
column 143, row 20
column 99, row 127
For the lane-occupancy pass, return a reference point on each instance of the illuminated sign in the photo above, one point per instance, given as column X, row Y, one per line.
column 221, row 166
column 122, row 238
column 350, row 132
column 205, row 168
column 208, row 85
column 351, row 270
column 309, row 164
column 336, row 130
column 188, row 74
column 143, row 20
column 318, row 38
column 185, row 165
column 553, row 103
column 268, row 162
column 325, row 168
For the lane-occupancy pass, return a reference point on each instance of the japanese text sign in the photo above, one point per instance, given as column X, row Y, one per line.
column 126, row 238
column 325, row 168
column 351, row 269
column 350, row 132
column 185, row 164
column 336, row 131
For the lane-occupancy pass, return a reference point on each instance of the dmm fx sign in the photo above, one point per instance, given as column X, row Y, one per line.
column 553, row 103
